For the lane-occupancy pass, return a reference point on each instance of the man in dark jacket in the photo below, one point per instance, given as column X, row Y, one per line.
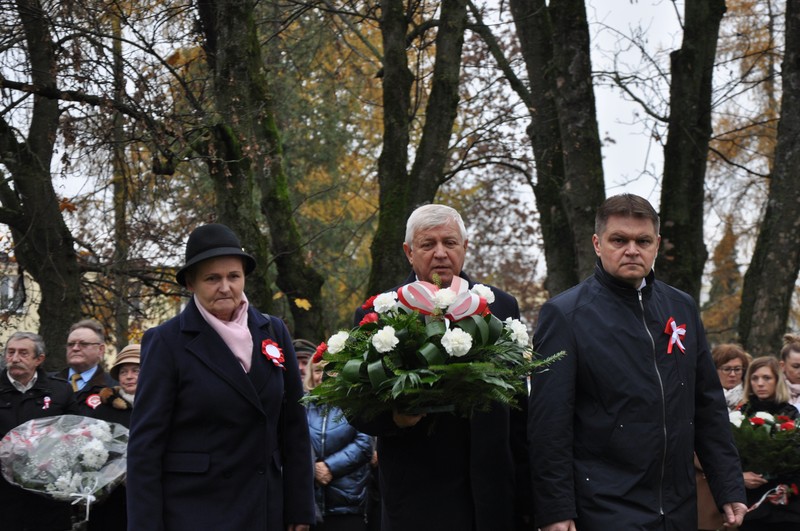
column 85, row 350
column 27, row 392
column 438, row 471
column 614, row 424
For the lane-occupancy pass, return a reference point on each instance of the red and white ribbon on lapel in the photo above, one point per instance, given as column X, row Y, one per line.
column 675, row 332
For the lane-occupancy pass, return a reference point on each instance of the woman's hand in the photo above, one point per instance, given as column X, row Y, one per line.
column 753, row 480
column 322, row 473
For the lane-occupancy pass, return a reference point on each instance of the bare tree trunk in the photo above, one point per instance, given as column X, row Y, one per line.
column 683, row 254
column 400, row 190
column 247, row 164
column 42, row 243
column 535, row 32
column 122, row 243
column 394, row 195
column 773, row 270
column 583, row 189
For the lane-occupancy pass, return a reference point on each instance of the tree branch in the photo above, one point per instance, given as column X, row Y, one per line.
column 502, row 61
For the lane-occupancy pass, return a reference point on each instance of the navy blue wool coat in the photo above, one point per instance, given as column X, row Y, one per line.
column 213, row 447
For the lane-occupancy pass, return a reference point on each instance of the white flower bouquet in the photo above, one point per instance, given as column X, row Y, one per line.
column 424, row 349
column 67, row 457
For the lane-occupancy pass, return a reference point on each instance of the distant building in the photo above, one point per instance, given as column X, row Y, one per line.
column 20, row 297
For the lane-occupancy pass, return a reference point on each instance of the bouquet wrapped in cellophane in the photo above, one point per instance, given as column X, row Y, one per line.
column 426, row 349
column 68, row 457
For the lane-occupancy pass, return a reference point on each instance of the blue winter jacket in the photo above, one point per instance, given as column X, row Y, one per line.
column 347, row 453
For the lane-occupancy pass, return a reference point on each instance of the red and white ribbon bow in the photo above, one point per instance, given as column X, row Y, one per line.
column 675, row 332
column 418, row 296
column 421, row 296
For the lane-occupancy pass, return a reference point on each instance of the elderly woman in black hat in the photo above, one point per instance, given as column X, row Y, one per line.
column 218, row 437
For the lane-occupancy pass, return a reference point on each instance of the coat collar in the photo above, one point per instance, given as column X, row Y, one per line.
column 207, row 345
column 622, row 288
column 42, row 384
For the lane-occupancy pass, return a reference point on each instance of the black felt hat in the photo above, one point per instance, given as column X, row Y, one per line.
column 210, row 241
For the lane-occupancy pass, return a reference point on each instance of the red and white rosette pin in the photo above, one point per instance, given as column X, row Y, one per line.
column 93, row 401
column 676, row 332
column 273, row 353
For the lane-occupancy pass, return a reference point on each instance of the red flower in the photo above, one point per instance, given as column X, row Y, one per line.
column 786, row 426
column 795, row 489
column 371, row 317
column 368, row 303
column 273, row 352
column 322, row 348
column 782, row 418
column 757, row 421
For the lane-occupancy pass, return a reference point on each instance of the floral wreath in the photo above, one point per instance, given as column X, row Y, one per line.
column 423, row 349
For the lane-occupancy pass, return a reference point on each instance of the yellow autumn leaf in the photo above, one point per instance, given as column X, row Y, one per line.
column 303, row 303
column 277, row 295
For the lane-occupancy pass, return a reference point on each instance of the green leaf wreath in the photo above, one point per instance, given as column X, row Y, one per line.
column 768, row 445
column 433, row 350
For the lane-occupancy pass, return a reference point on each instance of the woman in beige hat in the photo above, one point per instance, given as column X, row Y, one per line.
column 116, row 405
column 117, row 402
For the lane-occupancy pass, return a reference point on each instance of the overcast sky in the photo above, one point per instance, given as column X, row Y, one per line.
column 633, row 161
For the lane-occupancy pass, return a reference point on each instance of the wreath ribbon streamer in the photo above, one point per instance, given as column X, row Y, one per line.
column 776, row 496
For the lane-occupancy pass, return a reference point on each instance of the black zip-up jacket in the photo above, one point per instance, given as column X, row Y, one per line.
column 614, row 424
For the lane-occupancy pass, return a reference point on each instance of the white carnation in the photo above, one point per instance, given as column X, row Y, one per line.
column 736, row 418
column 766, row 416
column 385, row 339
column 456, row 342
column 101, row 431
column 444, row 298
column 94, row 454
column 519, row 331
column 337, row 341
column 483, row 291
column 385, row 302
column 62, row 483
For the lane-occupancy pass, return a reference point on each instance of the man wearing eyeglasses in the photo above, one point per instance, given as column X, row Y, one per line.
column 85, row 350
column 26, row 393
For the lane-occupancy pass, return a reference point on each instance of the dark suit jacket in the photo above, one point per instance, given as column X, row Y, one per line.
column 213, row 447
column 448, row 472
column 99, row 380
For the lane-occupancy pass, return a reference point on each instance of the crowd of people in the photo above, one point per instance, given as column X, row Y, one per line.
column 629, row 430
